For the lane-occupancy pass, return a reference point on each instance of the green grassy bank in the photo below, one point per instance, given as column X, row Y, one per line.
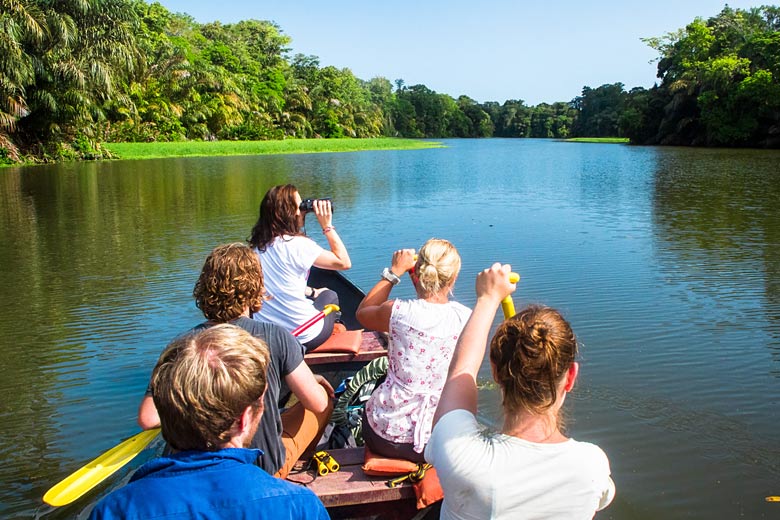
column 597, row 140
column 287, row 146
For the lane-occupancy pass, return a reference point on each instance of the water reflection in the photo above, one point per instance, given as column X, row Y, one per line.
column 664, row 260
column 718, row 232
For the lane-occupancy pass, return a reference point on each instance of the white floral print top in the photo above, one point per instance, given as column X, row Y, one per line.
column 422, row 340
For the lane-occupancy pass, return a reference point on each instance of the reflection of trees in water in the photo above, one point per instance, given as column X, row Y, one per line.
column 87, row 252
column 27, row 324
column 717, row 218
column 772, row 279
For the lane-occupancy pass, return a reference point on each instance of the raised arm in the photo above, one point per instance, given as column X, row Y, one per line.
column 460, row 389
column 375, row 309
column 337, row 258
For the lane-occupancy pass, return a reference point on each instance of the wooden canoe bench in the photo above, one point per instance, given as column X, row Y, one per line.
column 373, row 345
column 350, row 493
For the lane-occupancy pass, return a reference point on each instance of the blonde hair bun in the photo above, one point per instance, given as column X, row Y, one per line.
column 438, row 264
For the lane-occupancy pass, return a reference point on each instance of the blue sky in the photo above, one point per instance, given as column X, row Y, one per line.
column 491, row 50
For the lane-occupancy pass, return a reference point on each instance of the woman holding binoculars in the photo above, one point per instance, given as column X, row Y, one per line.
column 287, row 254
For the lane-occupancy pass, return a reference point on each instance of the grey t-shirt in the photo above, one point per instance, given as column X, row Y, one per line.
column 286, row 356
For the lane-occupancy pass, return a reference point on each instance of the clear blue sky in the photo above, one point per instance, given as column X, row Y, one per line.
column 493, row 50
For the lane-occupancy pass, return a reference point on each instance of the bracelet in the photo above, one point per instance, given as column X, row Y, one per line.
column 326, row 229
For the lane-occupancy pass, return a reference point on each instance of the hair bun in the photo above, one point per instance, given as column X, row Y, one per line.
column 530, row 353
column 535, row 341
column 438, row 265
column 539, row 331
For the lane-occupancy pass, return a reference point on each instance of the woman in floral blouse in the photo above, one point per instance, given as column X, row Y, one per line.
column 423, row 333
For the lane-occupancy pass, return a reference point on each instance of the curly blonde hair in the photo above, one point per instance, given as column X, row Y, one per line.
column 530, row 353
column 231, row 280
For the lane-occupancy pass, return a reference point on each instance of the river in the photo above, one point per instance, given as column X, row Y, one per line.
column 665, row 260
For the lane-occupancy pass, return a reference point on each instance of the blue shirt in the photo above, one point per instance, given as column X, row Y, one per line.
column 209, row 485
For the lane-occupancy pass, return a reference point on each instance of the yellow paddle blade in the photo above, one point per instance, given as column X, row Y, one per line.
column 82, row 480
column 773, row 499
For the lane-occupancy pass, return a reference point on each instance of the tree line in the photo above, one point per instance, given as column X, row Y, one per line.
column 75, row 73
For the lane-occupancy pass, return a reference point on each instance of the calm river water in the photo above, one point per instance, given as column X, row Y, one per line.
column 666, row 261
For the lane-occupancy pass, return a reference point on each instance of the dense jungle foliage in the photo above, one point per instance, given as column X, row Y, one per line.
column 75, row 73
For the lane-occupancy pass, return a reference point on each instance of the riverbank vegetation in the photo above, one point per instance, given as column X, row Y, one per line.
column 609, row 140
column 74, row 75
column 287, row 146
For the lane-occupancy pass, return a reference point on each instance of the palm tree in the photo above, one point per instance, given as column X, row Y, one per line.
column 21, row 24
column 298, row 106
column 79, row 67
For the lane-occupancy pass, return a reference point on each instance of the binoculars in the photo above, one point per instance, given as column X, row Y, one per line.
column 308, row 204
column 325, row 463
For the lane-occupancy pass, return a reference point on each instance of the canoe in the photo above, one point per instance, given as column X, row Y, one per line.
column 336, row 366
column 350, row 295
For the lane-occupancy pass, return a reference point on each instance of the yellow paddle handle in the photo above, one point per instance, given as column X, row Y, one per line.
column 331, row 307
column 507, row 304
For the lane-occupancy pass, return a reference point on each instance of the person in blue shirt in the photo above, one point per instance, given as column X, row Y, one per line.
column 230, row 287
column 208, row 388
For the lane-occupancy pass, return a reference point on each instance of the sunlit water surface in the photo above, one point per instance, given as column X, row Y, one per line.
column 666, row 261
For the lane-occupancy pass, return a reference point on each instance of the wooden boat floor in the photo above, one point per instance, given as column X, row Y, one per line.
column 373, row 345
column 345, row 491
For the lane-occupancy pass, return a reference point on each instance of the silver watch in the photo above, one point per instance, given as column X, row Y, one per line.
column 390, row 276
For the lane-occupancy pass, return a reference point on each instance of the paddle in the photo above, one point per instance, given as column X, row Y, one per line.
column 507, row 304
column 75, row 485
column 314, row 319
column 82, row 480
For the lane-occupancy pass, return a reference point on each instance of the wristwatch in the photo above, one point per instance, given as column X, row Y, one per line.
column 390, row 276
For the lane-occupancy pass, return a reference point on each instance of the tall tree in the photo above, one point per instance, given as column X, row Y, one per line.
column 380, row 90
column 512, row 119
column 429, row 109
column 599, row 111
column 79, row 65
column 479, row 122
column 720, row 78
column 21, row 27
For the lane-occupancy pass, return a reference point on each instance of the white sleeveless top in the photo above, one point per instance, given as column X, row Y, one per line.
column 422, row 340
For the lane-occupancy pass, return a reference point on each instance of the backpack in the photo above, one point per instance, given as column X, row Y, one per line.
column 346, row 423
